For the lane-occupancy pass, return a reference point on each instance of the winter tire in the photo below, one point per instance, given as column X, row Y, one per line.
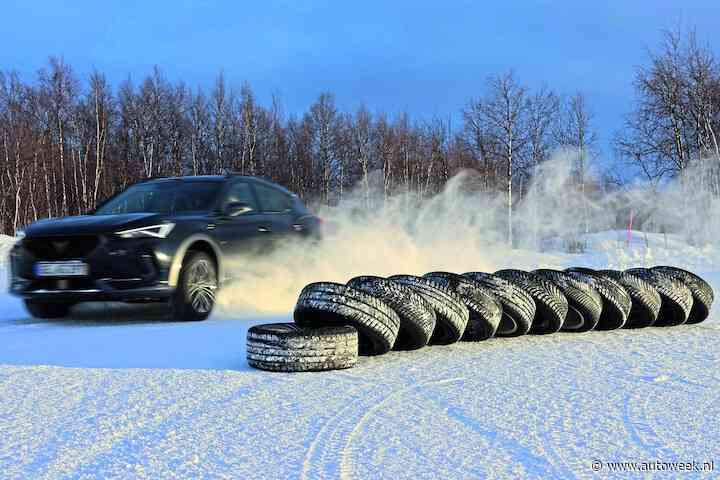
column 287, row 347
column 417, row 317
column 194, row 297
column 551, row 306
column 47, row 310
column 450, row 311
column 325, row 303
column 702, row 292
column 616, row 301
column 677, row 299
column 518, row 307
column 584, row 302
column 485, row 310
column 645, row 299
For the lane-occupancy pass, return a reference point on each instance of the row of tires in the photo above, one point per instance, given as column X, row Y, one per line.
column 371, row 315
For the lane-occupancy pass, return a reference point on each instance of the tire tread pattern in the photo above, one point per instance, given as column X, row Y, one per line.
column 516, row 303
column 287, row 347
column 327, row 303
column 702, row 292
column 584, row 299
column 551, row 306
column 451, row 313
column 615, row 299
column 645, row 298
column 677, row 299
column 485, row 310
column 417, row 317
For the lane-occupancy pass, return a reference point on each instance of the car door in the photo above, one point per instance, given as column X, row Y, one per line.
column 276, row 210
column 238, row 235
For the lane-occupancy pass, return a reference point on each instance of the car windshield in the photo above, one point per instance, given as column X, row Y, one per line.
column 168, row 197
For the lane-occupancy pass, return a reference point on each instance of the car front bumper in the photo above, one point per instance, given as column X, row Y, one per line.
column 97, row 291
column 126, row 271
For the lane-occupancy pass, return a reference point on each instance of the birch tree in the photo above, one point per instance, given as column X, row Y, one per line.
column 504, row 113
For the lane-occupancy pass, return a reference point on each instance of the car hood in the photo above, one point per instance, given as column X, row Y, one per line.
column 90, row 224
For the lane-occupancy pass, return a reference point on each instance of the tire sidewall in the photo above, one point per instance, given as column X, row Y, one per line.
column 181, row 306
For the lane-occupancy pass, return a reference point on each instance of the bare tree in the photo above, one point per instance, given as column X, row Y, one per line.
column 59, row 89
column 103, row 109
column 542, row 113
column 504, row 112
column 363, row 147
column 323, row 116
column 576, row 131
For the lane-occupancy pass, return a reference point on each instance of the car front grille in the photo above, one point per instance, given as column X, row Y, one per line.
column 61, row 248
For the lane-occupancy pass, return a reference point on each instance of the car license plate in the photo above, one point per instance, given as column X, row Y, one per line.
column 74, row 268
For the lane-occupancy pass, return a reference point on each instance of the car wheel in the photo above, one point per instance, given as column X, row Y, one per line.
column 47, row 310
column 194, row 297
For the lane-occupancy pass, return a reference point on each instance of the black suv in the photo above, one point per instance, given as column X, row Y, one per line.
column 160, row 240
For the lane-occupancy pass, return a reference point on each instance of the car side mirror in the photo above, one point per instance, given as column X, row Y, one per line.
column 234, row 209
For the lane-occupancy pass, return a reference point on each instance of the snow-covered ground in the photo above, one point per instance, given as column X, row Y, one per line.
column 120, row 392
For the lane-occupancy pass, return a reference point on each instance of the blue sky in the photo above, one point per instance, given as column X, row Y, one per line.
column 427, row 58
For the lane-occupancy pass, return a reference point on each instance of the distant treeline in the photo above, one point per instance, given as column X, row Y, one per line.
column 70, row 142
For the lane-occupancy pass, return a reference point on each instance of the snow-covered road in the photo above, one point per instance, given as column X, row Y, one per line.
column 163, row 400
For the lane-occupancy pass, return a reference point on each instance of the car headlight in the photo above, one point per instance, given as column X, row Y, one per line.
column 19, row 235
column 153, row 231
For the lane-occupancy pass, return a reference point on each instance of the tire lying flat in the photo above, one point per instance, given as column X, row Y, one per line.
column 287, row 347
column 615, row 299
column 677, row 299
column 417, row 317
column 485, row 310
column 518, row 307
column 584, row 302
column 325, row 303
column 551, row 306
column 451, row 313
column 645, row 298
column 702, row 292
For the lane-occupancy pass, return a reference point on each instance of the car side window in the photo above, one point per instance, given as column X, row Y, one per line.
column 273, row 200
column 240, row 192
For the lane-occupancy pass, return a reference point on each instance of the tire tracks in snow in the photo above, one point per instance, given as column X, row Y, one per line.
column 328, row 455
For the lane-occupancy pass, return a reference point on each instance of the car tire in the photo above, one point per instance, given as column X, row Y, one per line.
column 616, row 302
column 518, row 307
column 485, row 310
column 677, row 299
column 194, row 296
column 47, row 310
column 287, row 347
column 645, row 298
column 324, row 303
column 584, row 302
column 450, row 311
column 702, row 292
column 551, row 306
column 417, row 317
